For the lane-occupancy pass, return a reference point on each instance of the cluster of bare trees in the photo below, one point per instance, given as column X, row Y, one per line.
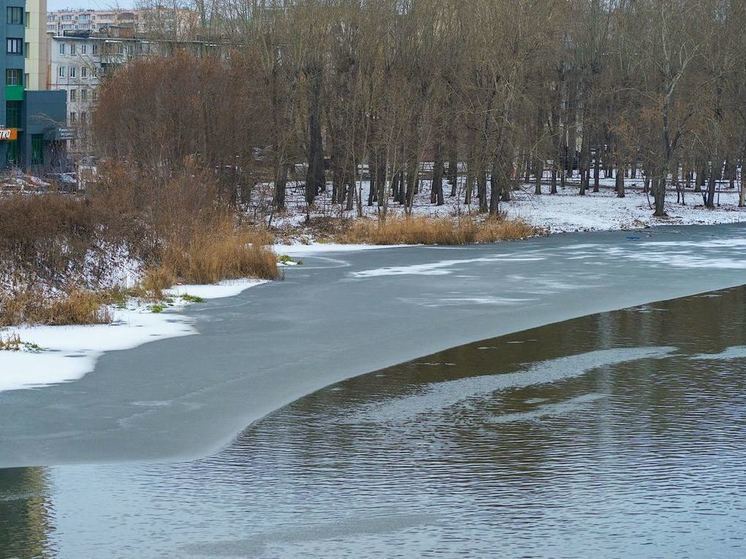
column 488, row 92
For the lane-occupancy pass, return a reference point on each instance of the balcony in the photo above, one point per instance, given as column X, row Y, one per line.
column 14, row 93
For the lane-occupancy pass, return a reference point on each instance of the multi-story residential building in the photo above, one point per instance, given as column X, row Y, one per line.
column 80, row 59
column 161, row 21
column 31, row 121
column 37, row 56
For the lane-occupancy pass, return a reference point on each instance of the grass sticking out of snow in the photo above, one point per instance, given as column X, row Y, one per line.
column 223, row 253
column 436, row 231
column 285, row 260
column 35, row 307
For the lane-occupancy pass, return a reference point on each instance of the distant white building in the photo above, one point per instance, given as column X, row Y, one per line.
column 165, row 22
column 80, row 59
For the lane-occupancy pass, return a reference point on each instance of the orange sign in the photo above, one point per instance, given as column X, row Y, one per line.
column 9, row 134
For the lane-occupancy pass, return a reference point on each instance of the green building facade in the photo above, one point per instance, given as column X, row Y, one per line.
column 32, row 123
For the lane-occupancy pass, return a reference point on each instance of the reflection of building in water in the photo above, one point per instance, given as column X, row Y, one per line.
column 25, row 513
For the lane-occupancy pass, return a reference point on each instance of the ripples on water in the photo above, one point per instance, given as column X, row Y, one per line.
column 617, row 435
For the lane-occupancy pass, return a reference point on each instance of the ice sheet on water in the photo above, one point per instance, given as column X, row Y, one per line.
column 570, row 405
column 437, row 397
column 734, row 352
column 441, row 267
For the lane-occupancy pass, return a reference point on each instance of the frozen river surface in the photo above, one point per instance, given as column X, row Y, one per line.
column 339, row 316
column 617, row 434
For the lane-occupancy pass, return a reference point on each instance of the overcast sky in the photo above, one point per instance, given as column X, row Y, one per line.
column 53, row 5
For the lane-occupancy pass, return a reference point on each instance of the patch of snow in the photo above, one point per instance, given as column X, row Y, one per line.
column 226, row 288
column 300, row 249
column 439, row 268
column 735, row 352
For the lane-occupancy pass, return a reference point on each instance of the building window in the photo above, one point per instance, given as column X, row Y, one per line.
column 84, row 72
column 37, row 149
column 73, row 95
column 94, row 95
column 13, row 76
column 94, row 48
column 26, row 18
column 13, row 114
column 72, row 49
column 15, row 16
column 84, row 95
column 62, row 48
column 26, row 49
column 83, row 48
column 73, row 118
column 61, row 71
column 14, row 46
column 73, row 71
column 26, row 80
column 83, row 117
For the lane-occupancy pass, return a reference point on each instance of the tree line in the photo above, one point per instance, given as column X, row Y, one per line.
column 487, row 92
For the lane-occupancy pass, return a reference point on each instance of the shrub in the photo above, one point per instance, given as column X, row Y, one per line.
column 11, row 342
column 226, row 252
column 432, row 231
column 35, row 307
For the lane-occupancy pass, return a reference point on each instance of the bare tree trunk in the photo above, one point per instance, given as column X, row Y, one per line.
column 619, row 184
column 701, row 174
column 482, row 189
column 659, row 195
column 436, row 187
column 711, row 185
column 315, row 177
column 597, row 170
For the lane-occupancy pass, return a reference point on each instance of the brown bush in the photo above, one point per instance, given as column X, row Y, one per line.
column 45, row 237
column 179, row 227
column 435, row 231
column 35, row 307
column 226, row 252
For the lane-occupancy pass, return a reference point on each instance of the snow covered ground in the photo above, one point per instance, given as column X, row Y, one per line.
column 603, row 211
column 564, row 212
column 54, row 354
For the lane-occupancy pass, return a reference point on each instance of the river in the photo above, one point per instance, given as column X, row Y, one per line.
column 614, row 434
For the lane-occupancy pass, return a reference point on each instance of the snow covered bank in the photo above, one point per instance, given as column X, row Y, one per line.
column 69, row 352
column 603, row 211
column 565, row 211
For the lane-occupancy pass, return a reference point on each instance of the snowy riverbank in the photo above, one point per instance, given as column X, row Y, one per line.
column 564, row 212
column 54, row 354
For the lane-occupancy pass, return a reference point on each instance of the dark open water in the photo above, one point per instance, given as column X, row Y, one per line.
column 621, row 434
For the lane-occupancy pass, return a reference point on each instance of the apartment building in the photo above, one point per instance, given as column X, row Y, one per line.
column 80, row 59
column 32, row 121
column 37, row 56
column 174, row 23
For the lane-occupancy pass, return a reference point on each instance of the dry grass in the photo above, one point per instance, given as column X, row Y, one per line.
column 226, row 252
column 34, row 307
column 501, row 229
column 435, row 231
column 154, row 282
column 11, row 342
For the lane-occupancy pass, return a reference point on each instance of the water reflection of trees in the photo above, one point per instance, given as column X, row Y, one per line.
column 26, row 514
